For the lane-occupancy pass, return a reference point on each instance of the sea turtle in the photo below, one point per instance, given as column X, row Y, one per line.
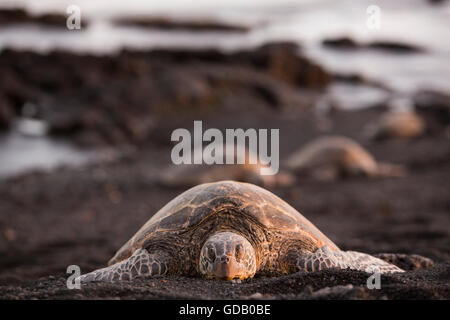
column 329, row 157
column 402, row 124
column 229, row 230
column 189, row 175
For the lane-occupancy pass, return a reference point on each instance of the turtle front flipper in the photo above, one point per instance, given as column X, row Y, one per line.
column 324, row 258
column 140, row 264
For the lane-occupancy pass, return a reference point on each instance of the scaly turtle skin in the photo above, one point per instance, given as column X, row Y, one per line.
column 330, row 157
column 229, row 230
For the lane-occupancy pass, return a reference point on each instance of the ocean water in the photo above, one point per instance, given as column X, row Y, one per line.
column 26, row 148
column 307, row 22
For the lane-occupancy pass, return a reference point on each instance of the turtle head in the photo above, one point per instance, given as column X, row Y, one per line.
column 227, row 256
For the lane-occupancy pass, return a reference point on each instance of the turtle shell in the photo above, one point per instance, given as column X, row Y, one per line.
column 332, row 149
column 194, row 205
column 191, row 175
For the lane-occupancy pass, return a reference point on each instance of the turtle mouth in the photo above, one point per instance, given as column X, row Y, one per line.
column 227, row 272
column 226, row 278
column 236, row 277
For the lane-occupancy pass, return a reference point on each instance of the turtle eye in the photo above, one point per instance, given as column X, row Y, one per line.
column 212, row 254
column 239, row 252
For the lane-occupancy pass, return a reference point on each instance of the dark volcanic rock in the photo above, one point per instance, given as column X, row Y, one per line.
column 396, row 47
column 346, row 43
column 20, row 16
column 435, row 104
column 8, row 16
column 437, row 1
column 166, row 23
column 282, row 61
column 6, row 113
column 341, row 43
column 124, row 98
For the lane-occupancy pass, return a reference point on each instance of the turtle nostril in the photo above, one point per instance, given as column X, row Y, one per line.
column 225, row 259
